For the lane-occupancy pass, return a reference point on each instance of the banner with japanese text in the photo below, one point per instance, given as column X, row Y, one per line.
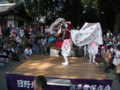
column 25, row 82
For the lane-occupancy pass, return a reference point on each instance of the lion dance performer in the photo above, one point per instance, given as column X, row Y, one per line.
column 64, row 31
column 92, row 50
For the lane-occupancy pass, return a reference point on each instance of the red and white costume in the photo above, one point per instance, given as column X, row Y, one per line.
column 67, row 44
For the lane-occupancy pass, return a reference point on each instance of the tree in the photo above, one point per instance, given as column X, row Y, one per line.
column 91, row 10
column 12, row 1
column 116, row 5
column 72, row 11
column 107, row 12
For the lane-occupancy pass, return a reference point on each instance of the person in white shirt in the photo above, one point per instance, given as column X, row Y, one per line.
column 109, row 34
column 28, row 52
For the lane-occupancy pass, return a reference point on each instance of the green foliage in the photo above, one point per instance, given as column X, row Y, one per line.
column 36, row 8
column 12, row 1
column 91, row 8
column 77, row 11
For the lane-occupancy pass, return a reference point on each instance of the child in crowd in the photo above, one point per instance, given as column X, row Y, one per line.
column 107, row 57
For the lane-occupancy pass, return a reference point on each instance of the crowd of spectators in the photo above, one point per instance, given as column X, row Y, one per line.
column 23, row 40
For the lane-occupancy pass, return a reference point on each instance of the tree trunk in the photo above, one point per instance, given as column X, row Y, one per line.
column 117, row 23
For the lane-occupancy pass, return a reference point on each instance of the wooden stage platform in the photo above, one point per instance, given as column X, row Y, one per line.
column 51, row 67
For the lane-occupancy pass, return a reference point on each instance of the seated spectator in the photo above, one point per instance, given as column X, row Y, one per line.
column 15, row 53
column 0, row 32
column 9, row 50
column 51, row 40
column 109, row 43
column 28, row 52
column 40, row 83
column 118, row 37
column 3, row 57
column 42, row 44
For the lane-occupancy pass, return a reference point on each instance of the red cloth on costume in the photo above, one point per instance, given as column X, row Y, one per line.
column 58, row 44
column 67, row 32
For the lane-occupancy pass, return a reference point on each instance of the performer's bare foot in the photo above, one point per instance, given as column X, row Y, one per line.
column 57, row 55
column 94, row 61
column 65, row 63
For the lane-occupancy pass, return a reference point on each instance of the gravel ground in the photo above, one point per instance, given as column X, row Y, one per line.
column 7, row 68
column 12, row 64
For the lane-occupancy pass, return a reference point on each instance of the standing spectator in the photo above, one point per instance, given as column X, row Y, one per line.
column 17, row 30
column 116, row 61
column 38, row 33
column 29, row 31
column 77, row 28
column 109, row 34
column 18, row 41
column 13, row 33
column 31, row 40
column 42, row 30
column 4, row 29
column 103, row 49
column 47, row 29
column 40, row 82
column 85, row 49
column 0, row 34
column 21, row 32
column 36, row 48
